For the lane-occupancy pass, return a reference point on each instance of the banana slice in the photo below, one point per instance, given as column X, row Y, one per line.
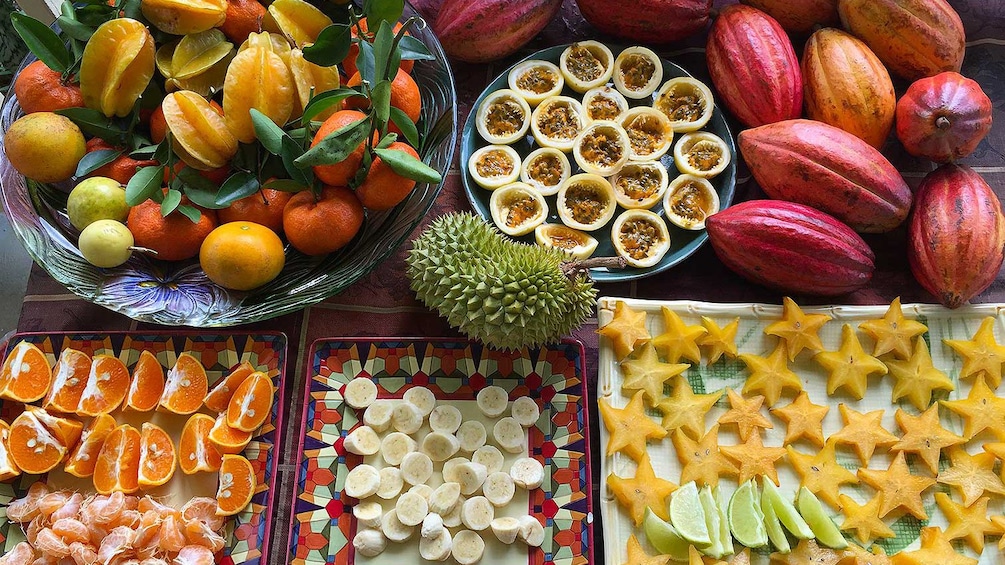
column 406, row 418
column 468, row 547
column 395, row 446
column 586, row 65
column 498, row 488
column 445, row 418
column 503, row 117
column 557, row 122
column 517, row 208
column 545, row 169
column 493, row 166
column 391, row 483
column 470, row 476
column 416, row 468
column 432, row 525
column 492, row 401
column 471, row 435
column 602, row 148
column 603, row 103
column 536, row 80
column 443, row 500
column 411, row 509
column 527, row 473
column 531, row 531
column 378, row 415
column 362, row 481
column 525, row 411
column 449, row 471
column 362, row 441
column 637, row 72
column 369, row 542
column 452, row 519
column 440, row 446
column 425, row 491
column 368, row 513
column 510, row 435
column 360, row 393
column 437, row 548
column 490, row 456
column 477, row 513
column 422, row 398
column 506, row 529
column 392, row 527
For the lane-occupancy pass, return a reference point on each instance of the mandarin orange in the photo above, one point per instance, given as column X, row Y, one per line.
column 265, row 207
column 339, row 174
column 32, row 447
column 146, row 385
column 157, row 456
column 107, row 385
column 84, row 456
column 320, row 226
column 219, row 397
column 25, row 375
column 41, row 89
column 251, row 404
column 185, row 387
column 237, row 485
column 383, row 188
column 118, row 462
column 69, row 378
column 228, row 440
column 174, row 237
column 195, row 452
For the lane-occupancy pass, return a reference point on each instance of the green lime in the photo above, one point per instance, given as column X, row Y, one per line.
column 688, row 516
column 664, row 537
column 707, row 499
column 823, row 527
column 721, row 504
column 746, row 520
column 771, row 524
column 786, row 512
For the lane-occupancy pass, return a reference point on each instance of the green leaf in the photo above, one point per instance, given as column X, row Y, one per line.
column 75, row 29
column 383, row 11
column 380, row 99
column 285, row 185
column 237, row 186
column 171, row 201
column 144, row 183
column 414, row 49
column 96, row 14
column 292, row 153
column 267, row 132
column 406, row 125
column 145, row 152
column 336, row 146
column 42, row 41
column 95, row 123
column 324, row 101
column 190, row 212
column 331, row 47
column 409, row 167
column 95, row 160
column 200, row 190
column 387, row 140
column 365, row 61
column 383, row 43
column 132, row 9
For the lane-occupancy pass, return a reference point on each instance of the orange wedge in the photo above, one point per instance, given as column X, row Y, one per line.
column 31, row 446
column 147, row 384
column 252, row 401
column 218, row 398
column 107, row 384
column 237, row 485
column 195, row 452
column 66, row 430
column 157, row 460
column 84, row 457
column 228, row 440
column 186, row 386
column 26, row 375
column 117, row 467
column 8, row 468
column 69, row 377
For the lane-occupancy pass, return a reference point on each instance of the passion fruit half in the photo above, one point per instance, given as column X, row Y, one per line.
column 641, row 237
column 701, row 154
column 536, row 80
column 649, row 132
column 586, row 65
column 637, row 72
column 689, row 201
column 546, row 169
column 574, row 242
column 602, row 148
column 493, row 166
column 640, row 184
column 556, row 122
column 503, row 117
column 604, row 103
column 586, row 202
column 517, row 208
column 687, row 102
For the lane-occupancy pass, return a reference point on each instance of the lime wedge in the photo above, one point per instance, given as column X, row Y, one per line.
column 688, row 516
column 664, row 537
column 725, row 538
column 711, row 522
column 771, row 524
column 746, row 520
column 786, row 512
column 823, row 527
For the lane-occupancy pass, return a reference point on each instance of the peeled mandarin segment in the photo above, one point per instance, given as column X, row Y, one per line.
column 237, row 485
column 8, row 468
column 310, row 80
column 298, row 20
column 186, row 386
column 219, row 397
column 147, row 384
column 66, row 430
column 116, row 66
column 84, row 457
column 107, row 385
column 252, row 401
column 26, row 375
column 203, row 140
column 69, row 378
column 33, row 449
column 257, row 78
column 181, row 17
column 228, row 440
column 157, row 457
column 117, row 467
column 195, row 452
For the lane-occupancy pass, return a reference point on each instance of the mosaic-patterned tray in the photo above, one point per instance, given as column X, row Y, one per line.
column 248, row 533
column 323, row 525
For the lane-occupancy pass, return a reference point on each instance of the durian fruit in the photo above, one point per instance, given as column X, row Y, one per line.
column 507, row 294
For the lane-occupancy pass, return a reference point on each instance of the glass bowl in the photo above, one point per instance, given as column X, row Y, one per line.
column 179, row 293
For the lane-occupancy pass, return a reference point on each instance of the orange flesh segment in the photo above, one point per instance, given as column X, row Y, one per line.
column 66, row 430
column 157, row 457
column 118, row 462
column 8, row 468
column 228, row 440
column 147, row 384
column 33, row 448
column 26, row 375
column 85, row 456
column 195, row 452
column 218, row 398
column 251, row 404
column 107, row 384
column 186, row 386
column 69, row 378
column 237, row 485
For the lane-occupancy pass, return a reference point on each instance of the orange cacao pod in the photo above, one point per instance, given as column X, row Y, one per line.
column 943, row 117
column 648, row 21
column 799, row 17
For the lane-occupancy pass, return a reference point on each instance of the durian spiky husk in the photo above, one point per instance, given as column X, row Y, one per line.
column 507, row 294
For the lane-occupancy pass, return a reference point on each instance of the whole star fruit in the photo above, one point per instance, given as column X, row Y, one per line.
column 258, row 78
column 202, row 138
column 116, row 66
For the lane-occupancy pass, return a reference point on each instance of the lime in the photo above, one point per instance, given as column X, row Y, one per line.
column 786, row 512
column 746, row 520
column 707, row 499
column 771, row 524
column 823, row 527
column 688, row 516
column 725, row 538
column 664, row 537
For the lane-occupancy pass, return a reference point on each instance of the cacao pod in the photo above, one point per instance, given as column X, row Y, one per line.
column 754, row 67
column 790, row 247
column 648, row 21
column 478, row 31
column 799, row 17
column 943, row 117
column 830, row 169
column 914, row 38
column 847, row 86
column 956, row 235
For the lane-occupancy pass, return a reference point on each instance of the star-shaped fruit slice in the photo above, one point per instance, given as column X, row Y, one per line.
column 797, row 329
column 685, row 410
column 702, row 461
column 629, row 427
column 644, row 371
column 968, row 522
column 935, row 549
column 809, row 553
column 803, row 419
column 863, row 432
column 821, row 473
column 849, row 367
column 719, row 341
column 745, row 413
column 627, row 330
column 856, row 555
column 893, row 332
column 981, row 410
column 754, row 459
column 898, row 488
column 863, row 519
column 982, row 354
column 924, row 436
column 644, row 490
column 916, row 378
column 998, row 529
column 770, row 376
column 678, row 340
column 638, row 556
column 972, row 475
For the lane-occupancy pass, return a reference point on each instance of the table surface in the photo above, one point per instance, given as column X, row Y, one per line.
column 383, row 305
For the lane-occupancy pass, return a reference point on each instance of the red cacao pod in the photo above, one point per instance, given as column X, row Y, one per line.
column 914, row 38
column 956, row 236
column 829, row 169
column 944, row 117
column 790, row 247
column 799, row 17
column 477, row 31
column 754, row 67
column 647, row 21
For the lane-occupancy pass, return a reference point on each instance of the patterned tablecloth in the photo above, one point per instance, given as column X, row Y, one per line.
column 383, row 305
